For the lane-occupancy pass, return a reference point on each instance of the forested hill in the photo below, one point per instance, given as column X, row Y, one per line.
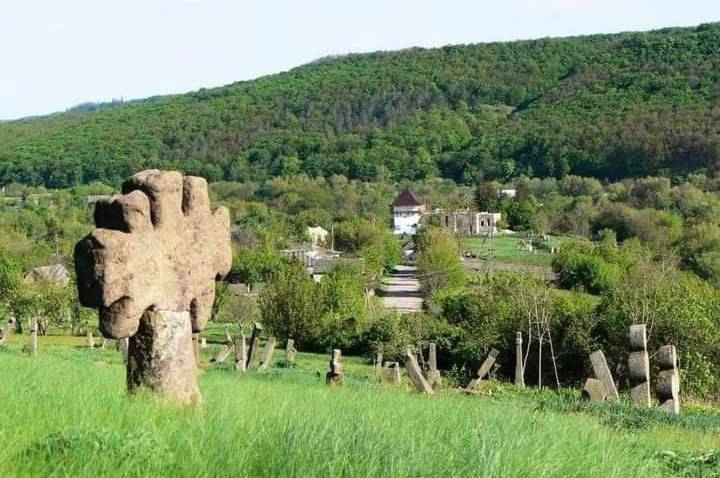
column 603, row 105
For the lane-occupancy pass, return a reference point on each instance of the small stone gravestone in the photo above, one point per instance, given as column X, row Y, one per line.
column 267, row 355
column 290, row 351
column 594, row 390
column 415, row 373
column 667, row 387
column 240, row 353
column 254, row 345
column 433, row 375
column 90, row 340
column 602, row 373
column 483, row 370
column 335, row 375
column 391, row 373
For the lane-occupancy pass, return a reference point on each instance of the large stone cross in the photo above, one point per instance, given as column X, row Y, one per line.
column 150, row 269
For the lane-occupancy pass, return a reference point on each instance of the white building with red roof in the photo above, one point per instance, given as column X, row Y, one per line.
column 407, row 212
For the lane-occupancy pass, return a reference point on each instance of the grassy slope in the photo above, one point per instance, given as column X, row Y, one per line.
column 65, row 413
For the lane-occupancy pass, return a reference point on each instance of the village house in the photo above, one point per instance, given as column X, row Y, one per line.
column 407, row 212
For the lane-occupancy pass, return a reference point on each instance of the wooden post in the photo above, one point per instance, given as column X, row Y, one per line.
column 483, row 370
column 290, row 351
column 267, row 355
column 667, row 387
column 240, row 353
column 639, row 366
column 415, row 373
column 33, row 337
column 519, row 370
column 433, row 376
column 335, row 375
column 602, row 373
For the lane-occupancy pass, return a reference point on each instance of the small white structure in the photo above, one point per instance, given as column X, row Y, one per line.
column 407, row 212
column 507, row 193
column 317, row 235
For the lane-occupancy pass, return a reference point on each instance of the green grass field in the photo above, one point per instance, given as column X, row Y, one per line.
column 508, row 249
column 66, row 413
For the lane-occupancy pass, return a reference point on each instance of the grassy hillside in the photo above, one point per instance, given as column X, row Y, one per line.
column 65, row 413
column 603, row 105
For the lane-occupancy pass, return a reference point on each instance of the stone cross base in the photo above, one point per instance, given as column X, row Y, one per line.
column 161, row 357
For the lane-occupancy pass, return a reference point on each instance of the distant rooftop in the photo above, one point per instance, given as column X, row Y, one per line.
column 406, row 198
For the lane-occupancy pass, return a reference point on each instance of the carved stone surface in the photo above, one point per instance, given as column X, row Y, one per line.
column 240, row 353
column 483, row 370
column 267, row 355
column 290, row 351
column 639, row 366
column 594, row 390
column 161, row 357
column 667, row 386
column 335, row 375
column 391, row 373
column 415, row 373
column 433, row 375
column 156, row 252
column 602, row 373
column 254, row 345
column 158, row 245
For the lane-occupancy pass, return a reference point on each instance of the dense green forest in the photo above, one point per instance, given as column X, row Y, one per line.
column 607, row 106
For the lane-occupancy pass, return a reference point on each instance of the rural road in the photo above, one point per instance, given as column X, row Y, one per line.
column 401, row 290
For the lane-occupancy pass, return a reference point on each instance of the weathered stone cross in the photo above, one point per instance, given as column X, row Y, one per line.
column 150, row 269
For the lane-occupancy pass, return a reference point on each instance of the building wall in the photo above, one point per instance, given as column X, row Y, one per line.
column 406, row 219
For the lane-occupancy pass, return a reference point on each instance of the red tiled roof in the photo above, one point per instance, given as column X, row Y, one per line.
column 406, row 198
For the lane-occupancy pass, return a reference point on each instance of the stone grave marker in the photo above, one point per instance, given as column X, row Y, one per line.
column 594, row 390
column 240, row 353
column 267, row 354
column 254, row 344
column 150, row 269
column 33, row 337
column 433, row 375
column 667, row 386
column 483, row 370
column 90, row 340
column 639, row 366
column 391, row 373
column 602, row 373
column 335, row 375
column 290, row 351
column 415, row 373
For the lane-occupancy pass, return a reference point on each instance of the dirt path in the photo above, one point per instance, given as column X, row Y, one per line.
column 401, row 290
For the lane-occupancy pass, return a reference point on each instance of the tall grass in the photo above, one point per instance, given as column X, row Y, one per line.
column 66, row 413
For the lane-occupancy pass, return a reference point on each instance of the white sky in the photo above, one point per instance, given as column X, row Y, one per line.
column 57, row 53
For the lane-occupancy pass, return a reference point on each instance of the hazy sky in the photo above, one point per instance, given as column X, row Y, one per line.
column 57, row 53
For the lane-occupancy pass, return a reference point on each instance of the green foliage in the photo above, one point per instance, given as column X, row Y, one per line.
column 438, row 261
column 608, row 106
